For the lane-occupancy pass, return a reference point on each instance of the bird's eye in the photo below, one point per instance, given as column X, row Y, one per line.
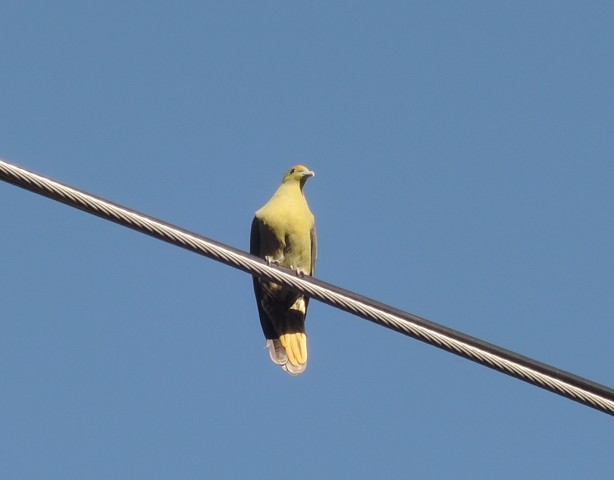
column 293, row 170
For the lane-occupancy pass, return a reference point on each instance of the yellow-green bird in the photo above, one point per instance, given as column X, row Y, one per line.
column 284, row 233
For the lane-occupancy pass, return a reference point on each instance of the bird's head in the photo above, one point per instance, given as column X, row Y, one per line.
column 298, row 174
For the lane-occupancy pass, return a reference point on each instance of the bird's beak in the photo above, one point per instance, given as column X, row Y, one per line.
column 309, row 173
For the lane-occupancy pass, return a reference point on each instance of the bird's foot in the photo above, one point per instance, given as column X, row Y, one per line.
column 299, row 271
column 271, row 261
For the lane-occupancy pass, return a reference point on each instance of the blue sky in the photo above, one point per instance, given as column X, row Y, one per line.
column 464, row 159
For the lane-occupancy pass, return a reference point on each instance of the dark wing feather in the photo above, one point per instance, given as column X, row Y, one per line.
column 254, row 249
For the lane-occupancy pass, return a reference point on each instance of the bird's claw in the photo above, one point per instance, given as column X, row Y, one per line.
column 271, row 261
column 299, row 271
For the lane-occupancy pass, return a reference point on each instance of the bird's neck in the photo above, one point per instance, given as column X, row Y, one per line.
column 289, row 189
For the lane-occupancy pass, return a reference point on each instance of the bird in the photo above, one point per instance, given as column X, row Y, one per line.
column 283, row 233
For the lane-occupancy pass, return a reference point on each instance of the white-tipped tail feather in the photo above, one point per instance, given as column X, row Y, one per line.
column 291, row 358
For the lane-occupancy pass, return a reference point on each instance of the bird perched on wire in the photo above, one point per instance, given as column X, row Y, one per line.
column 284, row 233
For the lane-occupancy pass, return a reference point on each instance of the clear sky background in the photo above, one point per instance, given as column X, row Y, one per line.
column 464, row 154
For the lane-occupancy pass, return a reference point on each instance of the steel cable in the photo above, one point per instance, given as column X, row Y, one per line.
column 545, row 376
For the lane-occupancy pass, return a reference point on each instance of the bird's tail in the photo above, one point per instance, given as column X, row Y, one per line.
column 290, row 348
column 290, row 352
column 284, row 327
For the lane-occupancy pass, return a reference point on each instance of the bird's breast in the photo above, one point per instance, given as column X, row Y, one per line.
column 289, row 224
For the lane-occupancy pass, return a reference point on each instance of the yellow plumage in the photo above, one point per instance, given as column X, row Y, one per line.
column 283, row 233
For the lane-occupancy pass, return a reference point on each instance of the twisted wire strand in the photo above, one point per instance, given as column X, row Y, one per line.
column 545, row 376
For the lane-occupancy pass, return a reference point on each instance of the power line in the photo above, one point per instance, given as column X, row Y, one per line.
column 545, row 376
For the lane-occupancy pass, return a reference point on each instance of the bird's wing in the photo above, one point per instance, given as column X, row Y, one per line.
column 254, row 239
column 314, row 249
column 254, row 248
